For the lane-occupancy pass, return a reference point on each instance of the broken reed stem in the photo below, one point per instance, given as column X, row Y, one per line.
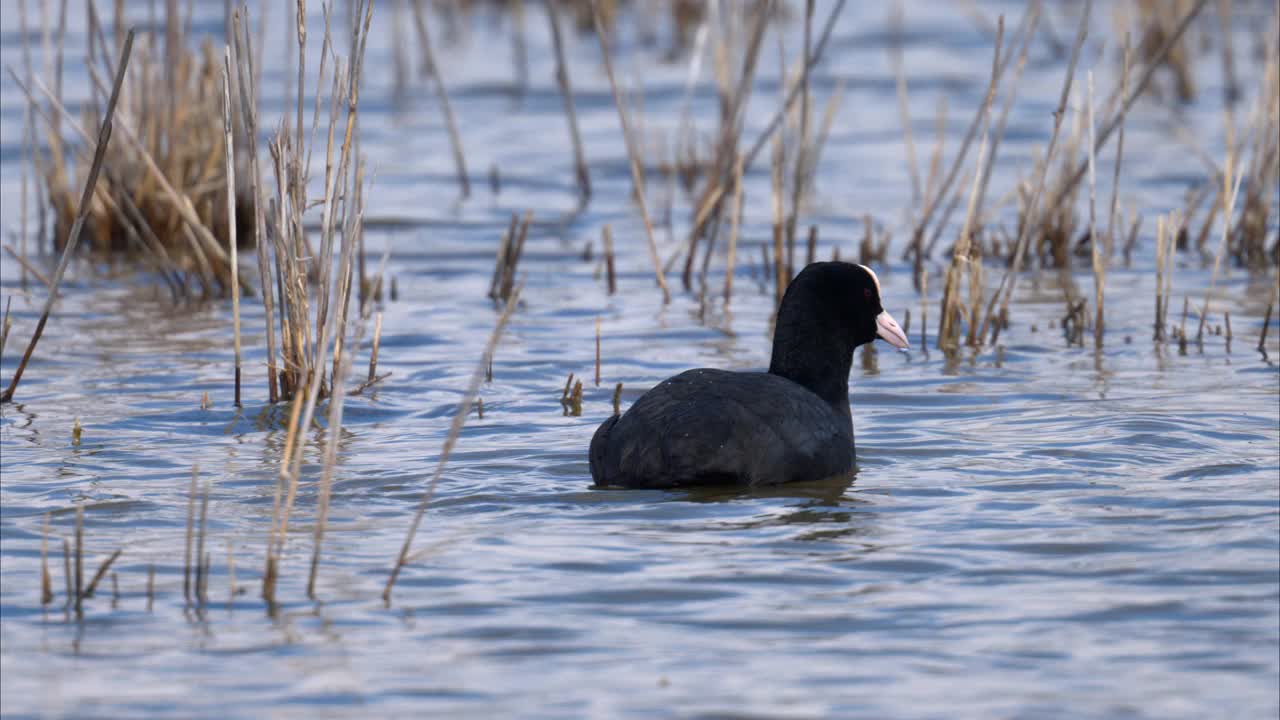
column 102, row 571
column 191, row 514
column 46, row 581
column 151, row 586
column 734, row 226
column 455, row 429
column 1266, row 323
column 597, row 352
column 373, row 355
column 608, row 259
column 1030, row 216
column 82, row 213
column 66, row 573
column 1230, row 191
column 6, row 324
column 79, row 557
column 617, row 399
column 515, row 252
column 433, row 69
column 202, row 580
column 633, row 152
column 1094, row 241
column 570, row 112
column 228, row 130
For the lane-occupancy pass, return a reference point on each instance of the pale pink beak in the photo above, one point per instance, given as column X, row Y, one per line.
column 888, row 330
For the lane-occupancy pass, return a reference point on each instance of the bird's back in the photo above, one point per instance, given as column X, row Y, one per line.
column 713, row 426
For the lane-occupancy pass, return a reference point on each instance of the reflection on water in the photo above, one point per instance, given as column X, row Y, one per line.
column 1033, row 530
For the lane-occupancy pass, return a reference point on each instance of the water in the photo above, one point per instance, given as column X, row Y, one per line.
column 1034, row 531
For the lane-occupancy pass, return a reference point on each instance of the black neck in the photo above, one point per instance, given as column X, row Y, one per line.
column 812, row 348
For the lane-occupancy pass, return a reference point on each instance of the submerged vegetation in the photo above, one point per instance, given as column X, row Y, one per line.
column 195, row 185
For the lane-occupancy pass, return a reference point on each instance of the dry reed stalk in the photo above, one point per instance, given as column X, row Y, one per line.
column 66, row 574
column 948, row 332
column 202, row 572
column 79, row 557
column 801, row 162
column 46, row 581
column 231, row 574
column 455, row 429
column 782, row 273
column 228, row 145
column 512, row 261
column 608, row 259
column 506, row 246
column 1030, row 24
column 1009, row 281
column 73, row 236
column 191, row 514
column 248, row 119
column 519, row 48
column 26, row 266
column 6, row 324
column 102, row 571
column 1266, row 323
column 617, row 399
column 333, row 300
column 1099, row 271
column 570, row 112
column 633, row 152
column 597, row 352
column 735, row 222
column 151, row 586
column 1114, row 211
column 1230, row 191
column 430, row 67
column 333, row 435
column 373, row 354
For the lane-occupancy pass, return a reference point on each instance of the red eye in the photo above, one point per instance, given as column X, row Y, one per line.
column 866, row 292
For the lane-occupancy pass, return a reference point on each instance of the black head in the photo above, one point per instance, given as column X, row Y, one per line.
column 829, row 309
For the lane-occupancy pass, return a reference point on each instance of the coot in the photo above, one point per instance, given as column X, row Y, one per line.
column 790, row 424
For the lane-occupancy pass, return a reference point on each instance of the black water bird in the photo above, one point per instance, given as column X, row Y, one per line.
column 790, row 424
